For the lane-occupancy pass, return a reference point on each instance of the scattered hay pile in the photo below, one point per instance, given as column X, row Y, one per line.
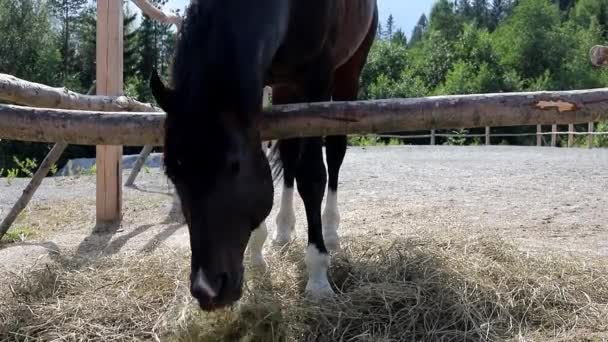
column 423, row 289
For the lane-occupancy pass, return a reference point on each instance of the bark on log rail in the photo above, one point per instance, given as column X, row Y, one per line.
column 327, row 118
column 599, row 56
column 15, row 90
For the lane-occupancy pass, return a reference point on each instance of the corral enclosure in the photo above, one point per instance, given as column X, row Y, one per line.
column 478, row 243
column 440, row 243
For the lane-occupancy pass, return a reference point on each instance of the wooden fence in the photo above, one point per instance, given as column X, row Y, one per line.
column 433, row 135
column 109, row 131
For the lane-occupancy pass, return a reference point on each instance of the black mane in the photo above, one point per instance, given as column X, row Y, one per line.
column 198, row 65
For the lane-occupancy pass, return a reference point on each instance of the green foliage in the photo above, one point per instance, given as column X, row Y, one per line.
column 54, row 42
column 463, row 47
column 29, row 48
column 17, row 234
column 11, row 174
column 480, row 46
column 531, row 42
column 372, row 140
column 26, row 166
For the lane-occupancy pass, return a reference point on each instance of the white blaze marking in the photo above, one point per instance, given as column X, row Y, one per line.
column 331, row 220
column 201, row 281
column 286, row 219
column 317, row 264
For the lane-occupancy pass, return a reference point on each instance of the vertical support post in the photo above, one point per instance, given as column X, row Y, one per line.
column 539, row 137
column 590, row 136
column 488, row 136
column 570, row 135
column 553, row 135
column 433, row 137
column 109, row 82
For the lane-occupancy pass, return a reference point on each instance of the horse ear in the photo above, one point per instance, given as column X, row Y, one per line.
column 163, row 95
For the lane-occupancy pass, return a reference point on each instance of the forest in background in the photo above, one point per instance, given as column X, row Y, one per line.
column 462, row 47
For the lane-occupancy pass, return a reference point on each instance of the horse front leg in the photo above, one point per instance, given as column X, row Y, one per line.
column 312, row 179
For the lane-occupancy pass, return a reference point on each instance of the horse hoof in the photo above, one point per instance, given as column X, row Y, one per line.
column 319, row 290
column 332, row 243
column 259, row 264
column 281, row 241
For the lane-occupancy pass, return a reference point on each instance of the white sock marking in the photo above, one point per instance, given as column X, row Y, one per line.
column 286, row 219
column 256, row 245
column 318, row 265
column 331, row 221
column 201, row 281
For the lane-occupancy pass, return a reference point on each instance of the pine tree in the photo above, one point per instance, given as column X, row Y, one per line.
column 67, row 12
column 464, row 9
column 480, row 12
column 130, row 44
column 399, row 38
column 156, row 45
column 390, row 27
column 419, row 30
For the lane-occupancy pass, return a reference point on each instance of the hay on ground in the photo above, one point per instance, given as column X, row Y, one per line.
column 417, row 289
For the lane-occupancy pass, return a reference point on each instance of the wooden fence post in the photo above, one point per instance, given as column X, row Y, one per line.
column 553, row 135
column 590, row 135
column 539, row 137
column 570, row 135
column 488, row 135
column 109, row 82
column 433, row 137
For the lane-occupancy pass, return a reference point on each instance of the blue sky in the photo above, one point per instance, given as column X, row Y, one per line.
column 405, row 12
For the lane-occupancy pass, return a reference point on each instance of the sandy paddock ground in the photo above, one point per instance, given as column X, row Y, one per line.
column 541, row 199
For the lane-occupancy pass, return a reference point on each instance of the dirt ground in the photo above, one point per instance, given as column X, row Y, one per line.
column 540, row 198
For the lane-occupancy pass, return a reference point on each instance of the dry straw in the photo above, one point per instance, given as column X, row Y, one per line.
column 418, row 289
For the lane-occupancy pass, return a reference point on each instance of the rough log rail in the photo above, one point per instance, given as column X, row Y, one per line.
column 599, row 56
column 16, row 90
column 326, row 118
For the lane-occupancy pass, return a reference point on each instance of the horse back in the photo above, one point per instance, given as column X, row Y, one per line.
column 315, row 27
column 352, row 24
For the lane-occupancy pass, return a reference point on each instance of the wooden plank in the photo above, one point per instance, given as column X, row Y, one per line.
column 539, row 137
column 553, row 135
column 570, row 135
column 433, row 136
column 110, row 83
column 590, row 136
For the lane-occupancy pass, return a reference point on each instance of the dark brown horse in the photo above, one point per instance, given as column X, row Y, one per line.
column 228, row 50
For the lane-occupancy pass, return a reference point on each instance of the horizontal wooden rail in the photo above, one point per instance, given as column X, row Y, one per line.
column 326, row 118
column 19, row 91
